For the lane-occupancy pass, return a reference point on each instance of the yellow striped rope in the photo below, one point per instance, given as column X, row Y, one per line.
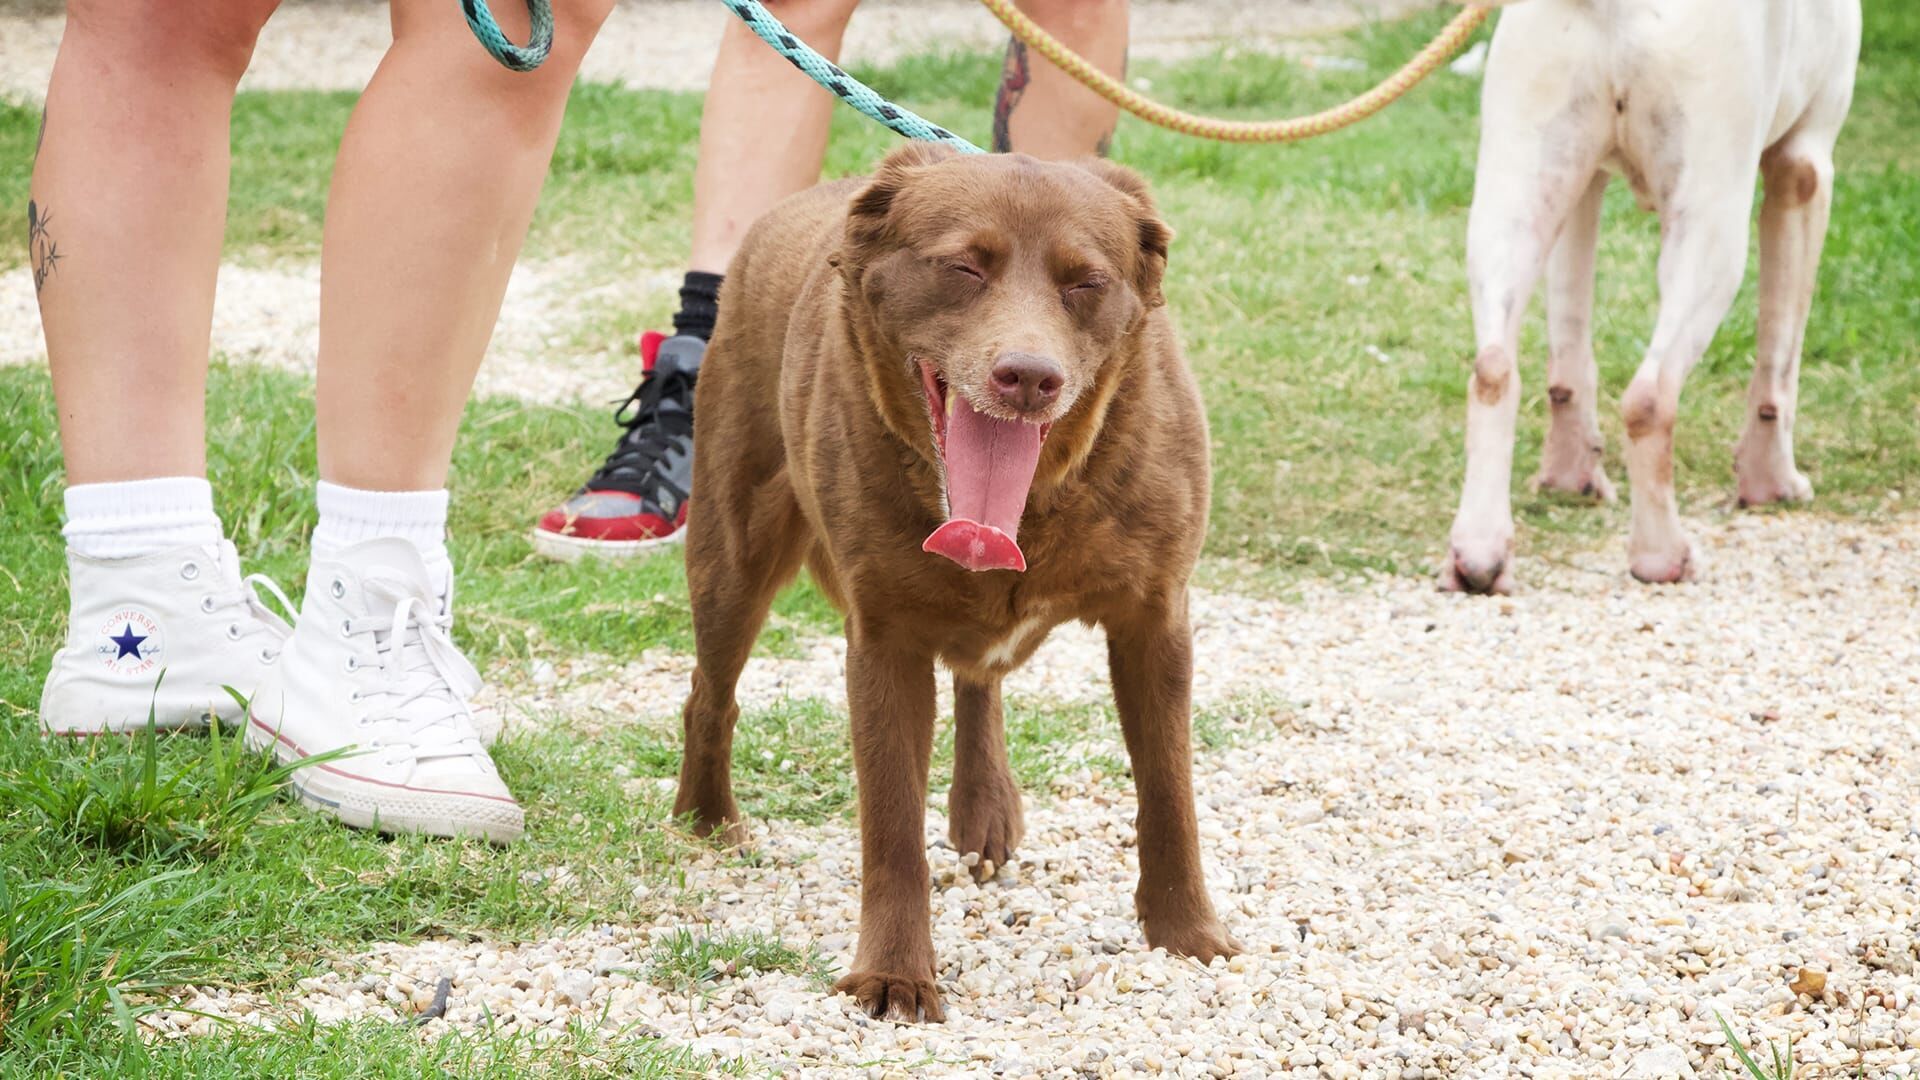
column 1445, row 44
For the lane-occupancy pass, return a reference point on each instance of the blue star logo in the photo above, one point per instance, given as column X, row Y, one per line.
column 128, row 642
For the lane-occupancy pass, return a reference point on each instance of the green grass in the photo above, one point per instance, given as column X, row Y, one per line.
column 1328, row 460
column 115, row 797
column 372, row 1051
column 74, row 955
column 685, row 960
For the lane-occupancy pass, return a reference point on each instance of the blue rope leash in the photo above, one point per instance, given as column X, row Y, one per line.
column 844, row 86
column 766, row 27
column 517, row 57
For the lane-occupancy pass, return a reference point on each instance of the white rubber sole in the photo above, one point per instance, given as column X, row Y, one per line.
column 164, row 720
column 574, row 548
column 86, row 731
column 389, row 808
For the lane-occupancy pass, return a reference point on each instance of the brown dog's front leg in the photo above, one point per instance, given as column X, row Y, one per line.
column 983, row 806
column 890, row 694
column 1150, row 653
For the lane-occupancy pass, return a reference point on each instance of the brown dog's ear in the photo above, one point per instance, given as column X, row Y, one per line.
column 1155, row 235
column 867, row 213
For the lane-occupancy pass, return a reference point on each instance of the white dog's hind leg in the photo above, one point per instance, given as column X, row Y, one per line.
column 1570, row 459
column 1703, row 253
column 1793, row 226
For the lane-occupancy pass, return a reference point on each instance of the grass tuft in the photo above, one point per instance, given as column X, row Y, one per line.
column 119, row 796
column 685, row 960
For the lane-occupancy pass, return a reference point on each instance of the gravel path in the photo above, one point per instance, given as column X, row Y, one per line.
column 1549, row 835
column 335, row 46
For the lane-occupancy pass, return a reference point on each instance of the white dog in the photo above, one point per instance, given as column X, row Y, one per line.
column 1686, row 99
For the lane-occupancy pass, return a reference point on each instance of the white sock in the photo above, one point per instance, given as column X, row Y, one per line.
column 350, row 515
column 131, row 518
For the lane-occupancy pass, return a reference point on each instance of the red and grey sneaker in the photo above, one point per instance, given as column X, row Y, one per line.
column 638, row 498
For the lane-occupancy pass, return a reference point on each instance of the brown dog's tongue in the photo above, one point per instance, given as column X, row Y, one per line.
column 990, row 466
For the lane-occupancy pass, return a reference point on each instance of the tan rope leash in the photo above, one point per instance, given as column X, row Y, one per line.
column 1445, row 44
column 904, row 121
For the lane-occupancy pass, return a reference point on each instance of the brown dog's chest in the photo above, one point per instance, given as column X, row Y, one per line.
column 992, row 622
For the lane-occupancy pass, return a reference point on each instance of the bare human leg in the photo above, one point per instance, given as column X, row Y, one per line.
column 1043, row 111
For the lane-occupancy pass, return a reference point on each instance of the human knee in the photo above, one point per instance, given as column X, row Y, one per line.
column 812, row 18
column 575, row 22
column 184, row 37
column 525, row 101
column 1073, row 13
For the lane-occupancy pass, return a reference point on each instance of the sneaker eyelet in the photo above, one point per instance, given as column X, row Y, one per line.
column 346, row 627
column 353, row 663
column 206, row 604
column 268, row 656
column 338, row 589
column 189, row 570
column 233, row 631
column 354, row 699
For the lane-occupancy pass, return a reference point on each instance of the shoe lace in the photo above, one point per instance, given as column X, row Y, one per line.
column 251, row 614
column 423, row 680
column 638, row 460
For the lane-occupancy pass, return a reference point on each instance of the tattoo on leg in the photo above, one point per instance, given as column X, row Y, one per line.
column 1014, row 76
column 42, row 253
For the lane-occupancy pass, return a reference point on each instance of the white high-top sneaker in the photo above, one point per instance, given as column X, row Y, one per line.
column 370, row 669
column 487, row 721
column 185, row 613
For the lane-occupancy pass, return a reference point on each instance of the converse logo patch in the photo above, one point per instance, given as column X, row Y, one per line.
column 132, row 643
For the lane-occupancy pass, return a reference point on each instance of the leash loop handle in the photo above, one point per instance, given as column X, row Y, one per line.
column 494, row 40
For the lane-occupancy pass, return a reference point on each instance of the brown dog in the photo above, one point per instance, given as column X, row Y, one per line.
column 962, row 365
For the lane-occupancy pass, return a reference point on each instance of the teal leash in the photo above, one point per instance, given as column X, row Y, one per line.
column 844, row 86
column 766, row 27
column 494, row 40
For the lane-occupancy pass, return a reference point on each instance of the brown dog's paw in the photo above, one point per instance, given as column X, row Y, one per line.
column 984, row 819
column 1202, row 939
column 894, row 997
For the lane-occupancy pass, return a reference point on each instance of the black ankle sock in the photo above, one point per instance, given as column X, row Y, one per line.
column 699, row 304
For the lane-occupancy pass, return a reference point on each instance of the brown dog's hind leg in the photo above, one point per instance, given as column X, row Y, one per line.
column 983, row 806
column 890, row 694
column 1150, row 653
column 741, row 548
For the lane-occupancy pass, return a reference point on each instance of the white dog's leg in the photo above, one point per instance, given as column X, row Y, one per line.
column 1534, row 164
column 1570, row 460
column 1793, row 225
column 1703, row 253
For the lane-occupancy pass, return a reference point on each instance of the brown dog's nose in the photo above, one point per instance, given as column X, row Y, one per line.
column 1026, row 382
